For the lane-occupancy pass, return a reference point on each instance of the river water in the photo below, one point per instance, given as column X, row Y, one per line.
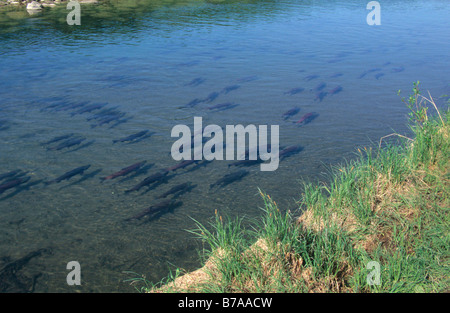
column 144, row 62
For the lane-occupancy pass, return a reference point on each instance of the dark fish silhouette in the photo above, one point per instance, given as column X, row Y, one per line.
column 12, row 281
column 13, row 183
column 156, row 208
column 59, row 138
column 72, row 106
column 223, row 106
column 307, row 118
column 196, row 81
column 230, row 88
column 336, row 75
column 290, row 113
column 79, row 170
column 103, row 113
column 294, row 91
column 288, row 151
column 68, row 143
column 311, row 77
column 230, row 178
column 194, row 102
column 9, row 174
column 125, row 170
column 149, row 180
column 335, row 90
column 211, row 97
column 4, row 125
column 109, row 118
column 320, row 96
column 246, row 162
column 369, row 71
column 89, row 108
column 319, row 87
column 178, row 189
column 377, row 76
column 182, row 164
column 132, row 137
column 398, row 69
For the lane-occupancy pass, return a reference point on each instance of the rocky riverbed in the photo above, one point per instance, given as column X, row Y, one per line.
column 38, row 5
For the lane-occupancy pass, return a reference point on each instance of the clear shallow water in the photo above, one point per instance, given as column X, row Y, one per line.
column 139, row 58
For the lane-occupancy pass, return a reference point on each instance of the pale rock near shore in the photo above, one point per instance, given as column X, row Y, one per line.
column 34, row 5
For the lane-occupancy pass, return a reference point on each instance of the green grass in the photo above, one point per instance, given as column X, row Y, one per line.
column 389, row 205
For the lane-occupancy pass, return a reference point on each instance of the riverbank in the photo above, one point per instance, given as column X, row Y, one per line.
column 39, row 4
column 380, row 225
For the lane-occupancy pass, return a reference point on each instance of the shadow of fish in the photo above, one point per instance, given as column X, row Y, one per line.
column 247, row 79
column 132, row 137
column 178, row 190
column 156, row 208
column 320, row 96
column 83, row 178
column 125, row 170
column 211, row 97
column 294, row 91
column 182, row 164
column 56, row 139
column 336, row 75
column 319, row 87
column 369, row 71
column 22, row 187
column 288, row 151
column 307, row 118
column 10, row 278
column 13, row 183
column 4, row 125
column 290, row 113
column 149, row 180
column 311, row 77
column 108, row 119
column 89, row 108
column 77, row 171
column 141, row 171
column 72, row 106
column 246, row 162
column 228, row 89
column 68, row 143
column 379, row 75
column 197, row 166
column 103, row 113
column 10, row 174
column 230, row 178
column 195, row 82
column 121, row 121
column 87, row 144
column 398, row 69
column 335, row 90
column 194, row 102
column 160, row 213
column 223, row 106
